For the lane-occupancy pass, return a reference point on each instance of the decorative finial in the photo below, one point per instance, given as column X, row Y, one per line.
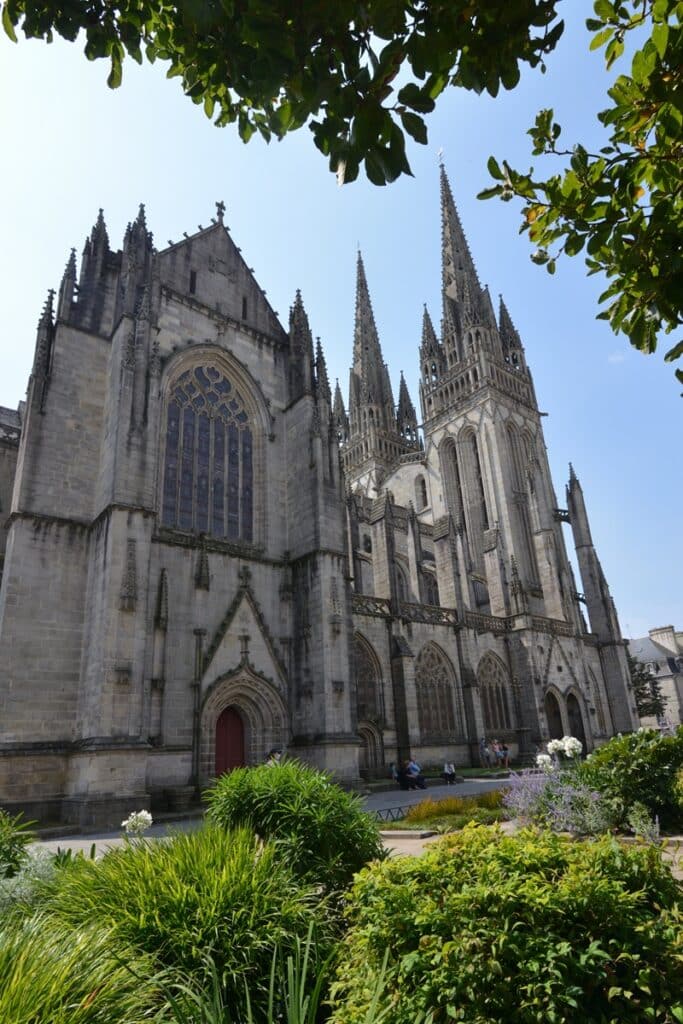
column 220, row 211
column 439, row 156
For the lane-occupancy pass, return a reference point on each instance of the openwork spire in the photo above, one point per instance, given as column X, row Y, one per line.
column 371, row 396
column 457, row 263
column 367, row 354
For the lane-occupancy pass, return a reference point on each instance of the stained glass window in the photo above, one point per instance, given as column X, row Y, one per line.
column 208, row 469
column 435, row 696
column 494, row 690
column 367, row 681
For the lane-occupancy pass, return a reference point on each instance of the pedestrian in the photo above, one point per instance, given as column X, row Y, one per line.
column 274, row 757
column 449, row 773
column 485, row 757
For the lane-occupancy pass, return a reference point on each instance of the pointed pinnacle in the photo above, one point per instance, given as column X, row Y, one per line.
column 321, row 370
column 70, row 269
column 507, row 330
column 429, row 340
column 141, row 216
column 47, row 315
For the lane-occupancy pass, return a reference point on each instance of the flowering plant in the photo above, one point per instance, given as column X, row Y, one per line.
column 544, row 762
column 568, row 745
column 137, row 823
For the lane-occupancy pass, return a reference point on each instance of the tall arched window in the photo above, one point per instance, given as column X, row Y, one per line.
column 430, row 588
column 519, row 452
column 208, row 468
column 420, row 493
column 494, row 691
column 434, row 684
column 366, row 671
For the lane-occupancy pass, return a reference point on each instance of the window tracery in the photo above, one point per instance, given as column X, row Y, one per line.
column 367, row 681
column 208, row 463
column 435, row 696
column 495, row 696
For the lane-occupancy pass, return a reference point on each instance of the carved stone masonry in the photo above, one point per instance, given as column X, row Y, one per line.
column 129, row 585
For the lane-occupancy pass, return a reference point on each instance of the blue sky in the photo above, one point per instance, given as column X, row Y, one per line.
column 70, row 145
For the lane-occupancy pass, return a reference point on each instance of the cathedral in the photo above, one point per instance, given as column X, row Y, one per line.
column 207, row 554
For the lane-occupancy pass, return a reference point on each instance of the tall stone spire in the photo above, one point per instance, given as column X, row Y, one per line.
column 370, row 393
column 457, row 264
column 406, row 419
column 301, row 361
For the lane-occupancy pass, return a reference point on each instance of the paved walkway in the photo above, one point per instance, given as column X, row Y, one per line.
column 391, row 799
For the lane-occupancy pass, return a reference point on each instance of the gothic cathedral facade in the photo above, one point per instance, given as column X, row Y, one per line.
column 206, row 556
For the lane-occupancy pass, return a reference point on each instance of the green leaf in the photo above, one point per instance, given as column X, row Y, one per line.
column 493, row 169
column 674, row 353
column 660, row 37
column 116, row 74
column 601, row 38
column 7, row 23
column 415, row 126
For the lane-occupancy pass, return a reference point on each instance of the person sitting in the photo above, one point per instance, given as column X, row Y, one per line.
column 416, row 779
column 449, row 773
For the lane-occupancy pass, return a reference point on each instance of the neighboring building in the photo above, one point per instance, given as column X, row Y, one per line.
column 193, row 574
column 662, row 653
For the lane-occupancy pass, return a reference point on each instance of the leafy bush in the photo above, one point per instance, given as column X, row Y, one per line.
column 520, row 929
column 639, row 768
column 15, row 836
column 53, row 974
column 204, row 897
column 325, row 833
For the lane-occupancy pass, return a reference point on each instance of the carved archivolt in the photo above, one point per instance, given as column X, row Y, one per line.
column 260, row 707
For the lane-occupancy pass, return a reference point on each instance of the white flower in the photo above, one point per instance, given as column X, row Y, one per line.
column 137, row 823
column 568, row 745
column 544, row 762
column 572, row 747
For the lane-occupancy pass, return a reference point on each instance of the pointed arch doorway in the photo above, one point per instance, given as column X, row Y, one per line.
column 554, row 716
column 229, row 741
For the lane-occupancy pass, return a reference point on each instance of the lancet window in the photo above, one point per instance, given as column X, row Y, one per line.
column 494, row 691
column 368, row 698
column 208, row 464
column 435, row 695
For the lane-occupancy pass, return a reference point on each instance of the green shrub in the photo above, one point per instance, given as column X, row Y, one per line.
column 325, row 834
column 522, row 929
column 15, row 836
column 52, row 974
column 642, row 768
column 201, row 898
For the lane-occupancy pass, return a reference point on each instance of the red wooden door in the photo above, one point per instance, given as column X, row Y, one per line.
column 229, row 741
